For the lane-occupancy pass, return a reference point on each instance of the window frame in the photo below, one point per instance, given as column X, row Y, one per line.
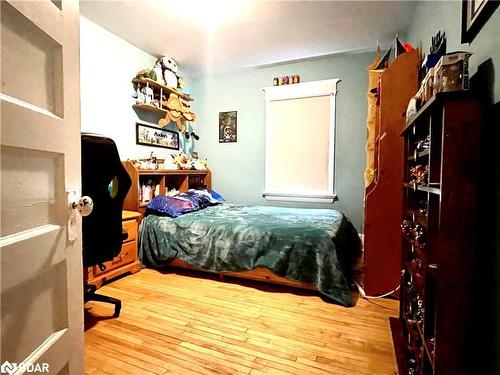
column 299, row 91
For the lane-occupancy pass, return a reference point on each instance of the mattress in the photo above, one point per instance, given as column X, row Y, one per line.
column 315, row 246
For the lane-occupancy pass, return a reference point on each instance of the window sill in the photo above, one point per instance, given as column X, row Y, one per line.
column 306, row 198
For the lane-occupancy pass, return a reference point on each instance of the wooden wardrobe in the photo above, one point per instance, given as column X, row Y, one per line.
column 395, row 86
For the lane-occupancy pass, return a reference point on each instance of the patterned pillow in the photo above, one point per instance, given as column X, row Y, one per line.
column 203, row 197
column 219, row 198
column 163, row 205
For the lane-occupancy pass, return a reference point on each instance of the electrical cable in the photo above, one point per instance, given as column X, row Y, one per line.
column 363, row 293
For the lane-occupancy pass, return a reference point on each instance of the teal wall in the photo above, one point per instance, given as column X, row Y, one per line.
column 238, row 168
column 429, row 17
column 432, row 16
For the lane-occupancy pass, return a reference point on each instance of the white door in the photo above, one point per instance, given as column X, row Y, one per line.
column 41, row 261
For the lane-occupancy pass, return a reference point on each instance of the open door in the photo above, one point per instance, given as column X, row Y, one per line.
column 40, row 252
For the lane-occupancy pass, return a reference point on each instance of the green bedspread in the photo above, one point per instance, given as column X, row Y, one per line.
column 317, row 246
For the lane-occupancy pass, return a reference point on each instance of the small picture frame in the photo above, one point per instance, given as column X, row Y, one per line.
column 475, row 14
column 228, row 127
column 147, row 135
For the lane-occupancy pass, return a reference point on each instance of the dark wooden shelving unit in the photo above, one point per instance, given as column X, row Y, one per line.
column 429, row 189
column 439, row 239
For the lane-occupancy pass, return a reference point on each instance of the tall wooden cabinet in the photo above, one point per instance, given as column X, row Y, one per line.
column 439, row 243
column 383, row 197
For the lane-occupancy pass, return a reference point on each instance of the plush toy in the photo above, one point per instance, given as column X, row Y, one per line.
column 182, row 160
column 158, row 71
column 200, row 164
column 146, row 74
column 170, row 69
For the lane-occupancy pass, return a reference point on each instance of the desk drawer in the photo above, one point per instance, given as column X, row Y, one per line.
column 130, row 226
column 127, row 255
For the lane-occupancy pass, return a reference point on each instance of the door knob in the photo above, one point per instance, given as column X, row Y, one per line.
column 84, row 205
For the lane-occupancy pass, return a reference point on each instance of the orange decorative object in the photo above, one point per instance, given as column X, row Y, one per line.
column 187, row 112
column 163, row 122
column 181, row 126
column 173, row 103
column 178, row 110
column 175, row 110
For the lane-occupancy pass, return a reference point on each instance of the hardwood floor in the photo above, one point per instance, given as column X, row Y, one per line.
column 174, row 323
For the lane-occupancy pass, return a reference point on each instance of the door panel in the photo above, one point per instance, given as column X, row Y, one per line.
column 32, row 201
column 31, row 62
column 41, row 266
column 29, row 292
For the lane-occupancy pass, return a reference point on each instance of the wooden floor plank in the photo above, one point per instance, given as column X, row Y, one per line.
column 176, row 323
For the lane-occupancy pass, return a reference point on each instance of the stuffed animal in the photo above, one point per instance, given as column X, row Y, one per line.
column 169, row 71
column 146, row 74
column 158, row 70
column 182, row 160
column 200, row 164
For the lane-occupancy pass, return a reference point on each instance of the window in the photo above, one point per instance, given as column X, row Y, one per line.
column 300, row 142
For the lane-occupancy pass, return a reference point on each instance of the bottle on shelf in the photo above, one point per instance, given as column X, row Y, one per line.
column 147, row 191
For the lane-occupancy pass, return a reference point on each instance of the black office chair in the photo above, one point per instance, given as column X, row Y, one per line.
column 106, row 181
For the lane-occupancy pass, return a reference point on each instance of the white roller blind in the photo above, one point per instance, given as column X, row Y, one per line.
column 300, row 142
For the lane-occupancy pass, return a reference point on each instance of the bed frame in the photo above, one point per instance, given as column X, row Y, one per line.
column 258, row 274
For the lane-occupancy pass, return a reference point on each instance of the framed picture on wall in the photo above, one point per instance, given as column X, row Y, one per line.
column 148, row 135
column 228, row 127
column 475, row 13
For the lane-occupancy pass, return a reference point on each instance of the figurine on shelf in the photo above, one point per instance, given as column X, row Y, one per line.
column 144, row 95
column 200, row 164
column 169, row 69
column 419, row 174
column 423, row 144
column 182, row 161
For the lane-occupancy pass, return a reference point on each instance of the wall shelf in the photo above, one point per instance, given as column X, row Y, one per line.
column 172, row 104
column 158, row 86
column 428, row 189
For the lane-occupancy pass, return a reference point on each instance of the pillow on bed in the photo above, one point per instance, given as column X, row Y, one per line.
column 203, row 197
column 163, row 205
column 219, row 198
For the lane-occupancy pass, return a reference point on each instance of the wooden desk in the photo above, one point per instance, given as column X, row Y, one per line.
column 126, row 260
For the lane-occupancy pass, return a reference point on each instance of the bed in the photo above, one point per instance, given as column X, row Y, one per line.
column 318, row 248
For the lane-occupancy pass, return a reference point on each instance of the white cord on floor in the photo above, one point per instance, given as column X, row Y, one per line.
column 363, row 293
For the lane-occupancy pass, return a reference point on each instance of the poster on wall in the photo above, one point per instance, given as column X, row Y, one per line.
column 228, row 127
column 475, row 14
column 147, row 135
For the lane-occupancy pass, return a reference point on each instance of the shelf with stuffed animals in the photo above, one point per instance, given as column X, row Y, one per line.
column 158, row 90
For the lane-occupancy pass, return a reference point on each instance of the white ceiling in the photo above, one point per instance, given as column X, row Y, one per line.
column 253, row 33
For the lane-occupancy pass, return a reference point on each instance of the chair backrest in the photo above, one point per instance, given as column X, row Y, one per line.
column 105, row 180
